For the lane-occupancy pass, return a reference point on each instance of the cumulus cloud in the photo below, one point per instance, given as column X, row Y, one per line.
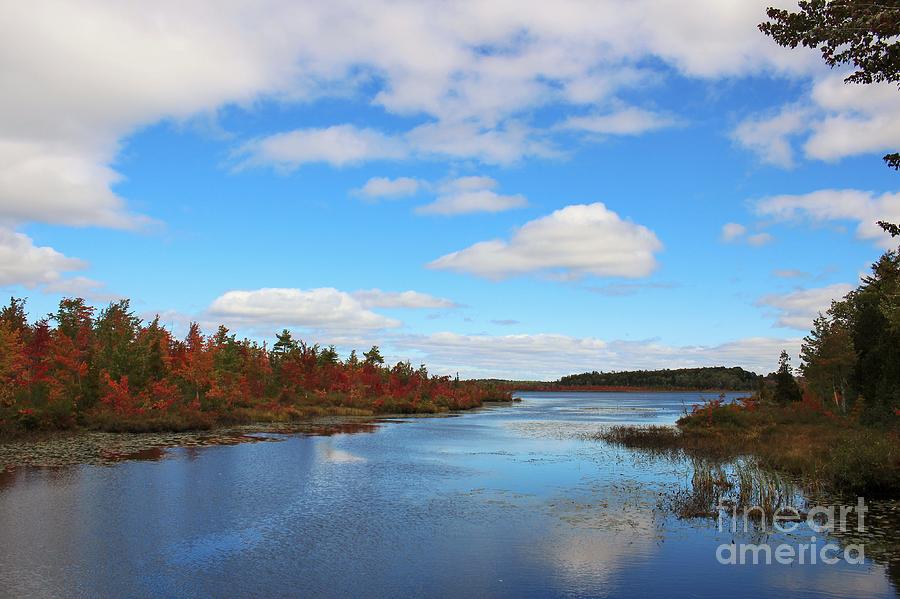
column 835, row 121
column 798, row 309
column 29, row 265
column 858, row 119
column 863, row 207
column 549, row 356
column 628, row 121
column 504, row 144
column 56, row 183
column 578, row 240
column 471, row 194
column 574, row 241
column 769, row 136
column 78, row 78
column 383, row 187
column 342, row 145
column 376, row 298
column 320, row 309
column 339, row 145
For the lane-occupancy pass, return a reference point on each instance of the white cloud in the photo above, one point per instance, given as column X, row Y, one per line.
column 319, row 309
column 858, row 119
column 342, row 145
column 470, row 140
column 737, row 233
column 57, row 184
column 339, row 145
column 863, row 207
column 467, row 202
column 549, row 356
column 837, row 120
column 462, row 195
column 732, row 232
column 78, row 78
column 471, row 194
column 382, row 187
column 628, row 121
column 574, row 241
column 23, row 263
column 797, row 309
column 376, row 298
column 83, row 287
column 769, row 137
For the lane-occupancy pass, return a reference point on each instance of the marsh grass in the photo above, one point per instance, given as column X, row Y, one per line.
column 741, row 487
column 816, row 448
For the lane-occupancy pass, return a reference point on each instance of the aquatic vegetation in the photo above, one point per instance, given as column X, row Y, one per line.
column 802, row 440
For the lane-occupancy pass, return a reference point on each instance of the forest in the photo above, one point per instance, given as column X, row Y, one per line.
column 715, row 377
column 109, row 370
column 851, row 358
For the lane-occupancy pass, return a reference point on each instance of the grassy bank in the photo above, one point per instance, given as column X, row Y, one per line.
column 803, row 440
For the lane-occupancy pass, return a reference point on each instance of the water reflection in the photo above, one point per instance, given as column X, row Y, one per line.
column 517, row 501
column 333, row 454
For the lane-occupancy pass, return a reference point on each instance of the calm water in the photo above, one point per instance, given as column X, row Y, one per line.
column 503, row 502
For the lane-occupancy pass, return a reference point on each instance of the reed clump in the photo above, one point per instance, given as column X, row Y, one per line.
column 820, row 449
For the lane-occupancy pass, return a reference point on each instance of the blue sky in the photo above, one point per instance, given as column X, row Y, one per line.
column 503, row 189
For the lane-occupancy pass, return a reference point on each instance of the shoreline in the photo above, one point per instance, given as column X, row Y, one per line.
column 613, row 389
column 67, row 448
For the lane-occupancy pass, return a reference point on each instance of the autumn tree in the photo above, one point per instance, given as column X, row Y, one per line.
column 153, row 349
column 194, row 365
column 70, row 354
column 117, row 371
column 13, row 364
column 15, row 317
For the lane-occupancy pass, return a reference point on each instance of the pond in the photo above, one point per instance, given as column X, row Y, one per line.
column 508, row 501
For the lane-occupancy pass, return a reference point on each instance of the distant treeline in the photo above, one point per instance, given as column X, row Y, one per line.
column 716, row 377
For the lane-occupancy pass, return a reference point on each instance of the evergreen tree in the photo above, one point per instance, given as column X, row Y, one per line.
column 284, row 344
column 828, row 359
column 786, row 388
column 373, row 356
